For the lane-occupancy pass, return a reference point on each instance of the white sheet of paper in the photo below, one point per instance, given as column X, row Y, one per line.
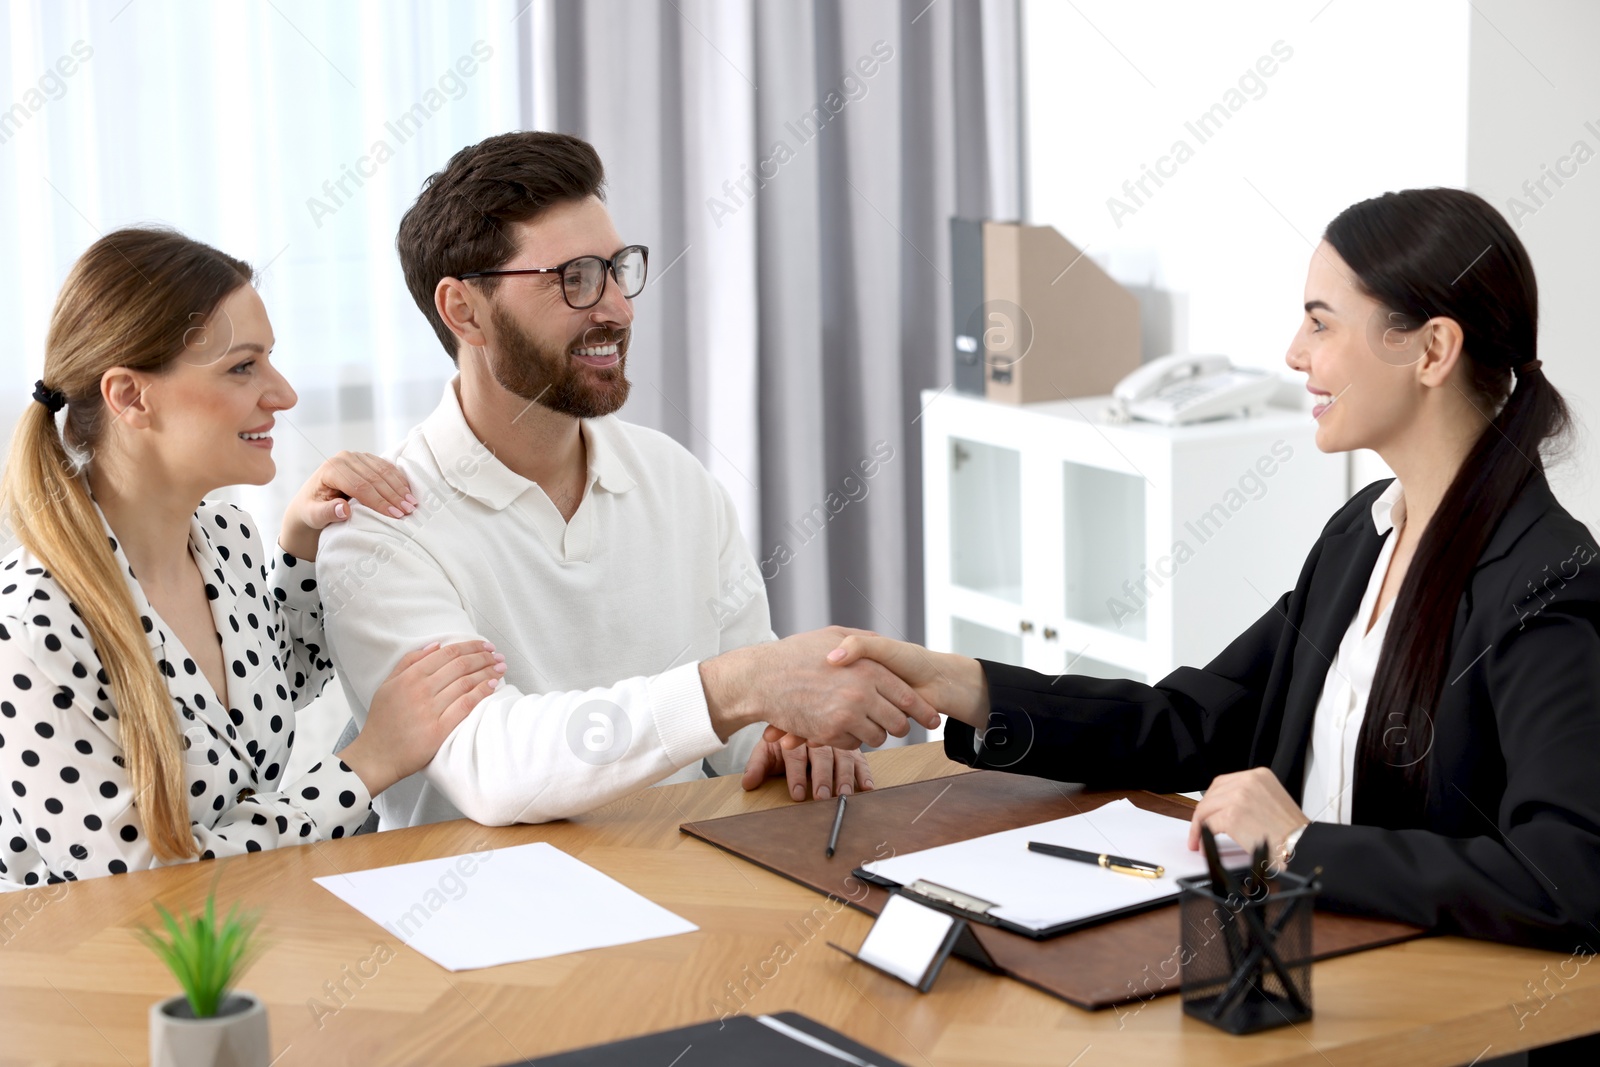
column 905, row 938
column 503, row 905
column 1038, row 891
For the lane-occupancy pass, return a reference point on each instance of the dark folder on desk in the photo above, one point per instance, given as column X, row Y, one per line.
column 1126, row 958
column 734, row 1042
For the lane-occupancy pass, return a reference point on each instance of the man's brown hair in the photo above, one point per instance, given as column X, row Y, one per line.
column 460, row 222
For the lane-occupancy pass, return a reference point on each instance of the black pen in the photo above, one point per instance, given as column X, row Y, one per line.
column 1120, row 864
column 838, row 821
column 1222, row 889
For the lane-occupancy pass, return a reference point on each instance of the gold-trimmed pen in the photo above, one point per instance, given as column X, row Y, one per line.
column 1120, row 864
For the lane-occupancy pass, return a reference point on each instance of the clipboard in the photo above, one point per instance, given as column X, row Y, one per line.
column 995, row 879
column 976, row 909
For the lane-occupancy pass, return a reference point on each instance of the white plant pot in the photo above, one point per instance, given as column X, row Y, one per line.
column 235, row 1037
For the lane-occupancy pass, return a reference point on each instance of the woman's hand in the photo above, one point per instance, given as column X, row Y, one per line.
column 828, row 771
column 423, row 699
column 324, row 499
column 953, row 684
column 1249, row 806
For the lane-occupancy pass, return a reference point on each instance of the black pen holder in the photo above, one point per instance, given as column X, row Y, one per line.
column 1246, row 959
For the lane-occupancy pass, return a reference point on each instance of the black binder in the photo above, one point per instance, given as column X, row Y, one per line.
column 969, row 364
column 740, row 1040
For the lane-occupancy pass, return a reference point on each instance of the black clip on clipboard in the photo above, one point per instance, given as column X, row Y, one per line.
column 975, row 909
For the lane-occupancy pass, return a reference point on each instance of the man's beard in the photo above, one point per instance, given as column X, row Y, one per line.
column 553, row 378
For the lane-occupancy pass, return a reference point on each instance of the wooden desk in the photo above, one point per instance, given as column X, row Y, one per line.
column 75, row 985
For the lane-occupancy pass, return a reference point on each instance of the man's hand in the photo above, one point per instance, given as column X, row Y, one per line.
column 829, row 771
column 791, row 684
column 1249, row 806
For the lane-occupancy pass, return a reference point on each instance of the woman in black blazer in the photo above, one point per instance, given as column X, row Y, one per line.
column 1420, row 720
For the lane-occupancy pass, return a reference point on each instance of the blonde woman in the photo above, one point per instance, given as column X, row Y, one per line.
column 154, row 646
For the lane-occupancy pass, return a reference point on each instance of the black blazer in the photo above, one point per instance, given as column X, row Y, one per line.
column 1511, row 849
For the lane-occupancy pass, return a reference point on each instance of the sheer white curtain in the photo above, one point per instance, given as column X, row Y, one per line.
column 292, row 134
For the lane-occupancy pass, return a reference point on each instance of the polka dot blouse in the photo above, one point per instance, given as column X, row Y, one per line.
column 67, row 808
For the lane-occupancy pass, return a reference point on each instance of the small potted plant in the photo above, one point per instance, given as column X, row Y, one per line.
column 209, row 1024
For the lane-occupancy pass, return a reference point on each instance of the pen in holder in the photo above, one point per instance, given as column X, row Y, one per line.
column 1246, row 951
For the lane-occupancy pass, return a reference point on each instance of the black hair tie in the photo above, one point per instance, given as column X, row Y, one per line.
column 1529, row 367
column 53, row 399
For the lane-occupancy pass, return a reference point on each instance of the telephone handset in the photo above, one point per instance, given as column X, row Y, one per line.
column 1183, row 388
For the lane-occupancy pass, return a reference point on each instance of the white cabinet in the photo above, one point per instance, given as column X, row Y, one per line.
column 1067, row 544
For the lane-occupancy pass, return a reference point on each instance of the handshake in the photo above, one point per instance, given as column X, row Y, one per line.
column 841, row 688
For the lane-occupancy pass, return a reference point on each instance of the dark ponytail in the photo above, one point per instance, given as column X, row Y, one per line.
column 1446, row 253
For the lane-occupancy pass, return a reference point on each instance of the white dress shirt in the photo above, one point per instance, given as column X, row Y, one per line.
column 602, row 619
column 1336, row 728
column 69, row 810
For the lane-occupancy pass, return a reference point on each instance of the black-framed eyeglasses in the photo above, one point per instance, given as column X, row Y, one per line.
column 583, row 280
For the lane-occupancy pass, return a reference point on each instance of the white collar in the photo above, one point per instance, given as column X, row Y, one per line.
column 1389, row 510
column 471, row 469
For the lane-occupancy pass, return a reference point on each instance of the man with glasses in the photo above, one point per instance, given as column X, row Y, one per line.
column 589, row 550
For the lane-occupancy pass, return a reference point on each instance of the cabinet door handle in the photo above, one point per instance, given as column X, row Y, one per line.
column 1050, row 633
column 1025, row 626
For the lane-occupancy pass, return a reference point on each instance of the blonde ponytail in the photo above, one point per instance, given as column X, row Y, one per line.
column 109, row 315
column 49, row 508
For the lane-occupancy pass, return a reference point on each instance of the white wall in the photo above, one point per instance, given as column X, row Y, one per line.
column 1534, row 85
column 1373, row 97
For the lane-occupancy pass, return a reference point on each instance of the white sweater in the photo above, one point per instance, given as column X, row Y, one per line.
column 603, row 620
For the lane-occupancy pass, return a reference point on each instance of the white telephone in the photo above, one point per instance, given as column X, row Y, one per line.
column 1181, row 388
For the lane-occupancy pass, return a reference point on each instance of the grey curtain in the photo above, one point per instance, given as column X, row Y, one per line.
column 794, row 165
